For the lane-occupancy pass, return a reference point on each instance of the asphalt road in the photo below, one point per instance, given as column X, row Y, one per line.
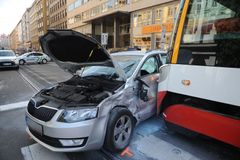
column 13, row 135
column 13, row 88
column 151, row 140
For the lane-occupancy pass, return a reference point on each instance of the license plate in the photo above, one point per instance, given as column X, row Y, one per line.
column 34, row 126
column 7, row 64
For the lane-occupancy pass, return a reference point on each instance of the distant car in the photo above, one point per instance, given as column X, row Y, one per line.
column 33, row 57
column 8, row 59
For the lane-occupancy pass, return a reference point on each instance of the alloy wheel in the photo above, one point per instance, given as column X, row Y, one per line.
column 122, row 131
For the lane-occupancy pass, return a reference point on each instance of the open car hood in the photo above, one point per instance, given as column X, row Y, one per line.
column 72, row 50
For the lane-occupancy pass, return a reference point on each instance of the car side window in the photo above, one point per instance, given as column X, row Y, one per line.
column 39, row 54
column 30, row 55
column 150, row 66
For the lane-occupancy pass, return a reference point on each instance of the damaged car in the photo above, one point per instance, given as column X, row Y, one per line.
column 101, row 104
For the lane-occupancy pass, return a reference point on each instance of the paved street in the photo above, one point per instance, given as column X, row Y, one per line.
column 151, row 139
column 13, row 88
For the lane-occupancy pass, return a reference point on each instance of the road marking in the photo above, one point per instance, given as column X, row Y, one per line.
column 37, row 73
column 12, row 106
column 126, row 152
column 38, row 152
column 29, row 81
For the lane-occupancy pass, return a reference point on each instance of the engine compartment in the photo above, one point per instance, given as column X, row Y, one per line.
column 89, row 90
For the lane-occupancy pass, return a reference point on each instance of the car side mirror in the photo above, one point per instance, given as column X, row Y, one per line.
column 142, row 92
column 143, row 95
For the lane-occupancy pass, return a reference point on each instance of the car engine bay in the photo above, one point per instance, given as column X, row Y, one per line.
column 83, row 90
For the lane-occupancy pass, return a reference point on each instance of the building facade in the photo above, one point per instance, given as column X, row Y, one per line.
column 152, row 26
column 15, row 37
column 33, row 27
column 26, row 30
column 42, row 16
column 4, row 41
column 58, row 14
column 128, row 23
column 39, row 22
column 146, row 24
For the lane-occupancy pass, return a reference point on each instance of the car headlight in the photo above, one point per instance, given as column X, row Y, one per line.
column 77, row 115
column 16, row 61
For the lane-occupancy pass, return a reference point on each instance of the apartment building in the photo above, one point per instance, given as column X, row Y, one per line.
column 15, row 37
column 57, row 14
column 33, row 26
column 42, row 16
column 4, row 41
column 144, row 23
column 152, row 26
column 39, row 22
column 25, row 25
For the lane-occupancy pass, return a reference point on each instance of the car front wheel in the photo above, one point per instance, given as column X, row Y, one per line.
column 119, row 130
column 21, row 62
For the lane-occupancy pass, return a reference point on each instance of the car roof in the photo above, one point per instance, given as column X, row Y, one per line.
column 140, row 53
column 33, row 52
column 132, row 53
column 8, row 50
column 157, row 51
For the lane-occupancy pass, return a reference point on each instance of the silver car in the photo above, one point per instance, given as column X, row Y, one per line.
column 33, row 57
column 101, row 104
column 8, row 59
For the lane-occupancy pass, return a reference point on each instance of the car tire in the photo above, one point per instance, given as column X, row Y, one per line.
column 21, row 62
column 44, row 61
column 119, row 130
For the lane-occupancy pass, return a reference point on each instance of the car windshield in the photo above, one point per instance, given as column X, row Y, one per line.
column 6, row 53
column 128, row 63
column 103, row 71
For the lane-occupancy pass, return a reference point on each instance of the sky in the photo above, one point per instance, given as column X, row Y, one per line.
column 11, row 11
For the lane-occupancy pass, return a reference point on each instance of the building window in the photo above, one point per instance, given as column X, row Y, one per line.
column 170, row 11
column 135, row 0
column 142, row 18
column 70, row 20
column 85, row 1
column 110, row 4
column 143, row 42
column 77, row 17
column 78, row 3
column 104, row 7
column 71, row 7
column 85, row 14
column 95, row 11
column 158, row 16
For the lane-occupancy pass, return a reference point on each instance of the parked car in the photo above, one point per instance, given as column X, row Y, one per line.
column 8, row 59
column 101, row 104
column 33, row 57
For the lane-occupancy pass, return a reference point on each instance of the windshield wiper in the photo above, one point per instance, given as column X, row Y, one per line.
column 100, row 75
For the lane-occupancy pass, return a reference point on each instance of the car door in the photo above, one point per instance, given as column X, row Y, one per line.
column 30, row 58
column 39, row 57
column 148, row 74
